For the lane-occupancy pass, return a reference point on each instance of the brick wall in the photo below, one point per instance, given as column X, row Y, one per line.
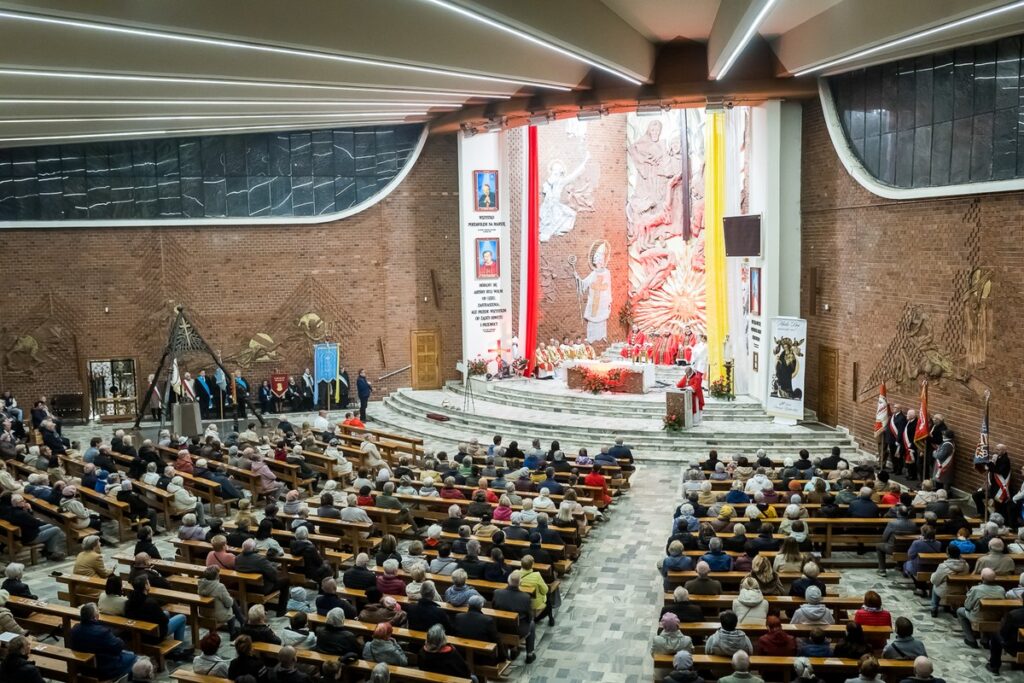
column 368, row 277
column 875, row 257
column 605, row 140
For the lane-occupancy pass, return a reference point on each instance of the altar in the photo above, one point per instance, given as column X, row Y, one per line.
column 617, row 376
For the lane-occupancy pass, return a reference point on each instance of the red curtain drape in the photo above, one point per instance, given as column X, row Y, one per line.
column 532, row 250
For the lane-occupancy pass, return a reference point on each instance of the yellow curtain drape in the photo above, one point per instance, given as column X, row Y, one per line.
column 717, row 299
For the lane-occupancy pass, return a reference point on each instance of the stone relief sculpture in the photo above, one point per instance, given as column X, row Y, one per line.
column 914, row 351
column 558, row 217
column 23, row 354
column 598, row 288
column 261, row 348
column 313, row 326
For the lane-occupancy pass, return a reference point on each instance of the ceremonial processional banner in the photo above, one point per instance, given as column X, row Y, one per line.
column 485, row 249
column 325, row 367
column 788, row 367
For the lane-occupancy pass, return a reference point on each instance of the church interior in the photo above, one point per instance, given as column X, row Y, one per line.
column 439, row 341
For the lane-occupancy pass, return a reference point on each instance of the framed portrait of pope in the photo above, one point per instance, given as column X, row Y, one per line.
column 485, row 190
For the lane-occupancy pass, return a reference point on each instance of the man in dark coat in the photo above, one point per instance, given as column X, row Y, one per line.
column 250, row 561
column 512, row 599
column 204, row 394
column 112, row 660
column 1005, row 639
column 894, row 438
column 363, row 390
column 476, row 625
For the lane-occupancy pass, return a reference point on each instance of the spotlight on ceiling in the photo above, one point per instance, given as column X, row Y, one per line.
column 591, row 114
column 542, row 119
column 652, row 109
column 494, row 125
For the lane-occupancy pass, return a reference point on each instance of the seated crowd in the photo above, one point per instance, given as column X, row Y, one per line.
column 744, row 578
column 375, row 552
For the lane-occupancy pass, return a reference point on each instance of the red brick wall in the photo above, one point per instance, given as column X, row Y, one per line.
column 606, row 172
column 876, row 256
column 368, row 277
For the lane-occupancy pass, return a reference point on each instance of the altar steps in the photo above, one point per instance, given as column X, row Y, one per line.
column 506, row 393
column 406, row 410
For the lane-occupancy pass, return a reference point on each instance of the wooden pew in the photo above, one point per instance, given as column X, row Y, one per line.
column 781, row 668
column 398, row 673
column 65, row 521
column 734, row 578
column 193, row 601
column 244, row 586
column 714, row 604
column 469, row 648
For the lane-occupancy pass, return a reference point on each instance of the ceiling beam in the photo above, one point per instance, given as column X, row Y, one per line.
column 585, row 27
column 735, row 24
column 855, row 25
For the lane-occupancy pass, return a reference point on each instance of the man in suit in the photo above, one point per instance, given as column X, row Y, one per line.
column 204, row 394
column 893, row 438
column 346, row 388
column 242, row 392
column 363, row 390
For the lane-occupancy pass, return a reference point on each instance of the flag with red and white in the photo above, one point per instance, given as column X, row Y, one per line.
column 923, row 429
column 883, row 413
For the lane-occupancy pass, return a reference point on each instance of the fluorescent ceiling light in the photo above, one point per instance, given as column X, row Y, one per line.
column 204, row 117
column 541, row 119
column 79, row 75
column 176, row 133
column 271, row 49
column 914, row 37
column 283, row 102
column 476, row 16
column 591, row 114
column 745, row 39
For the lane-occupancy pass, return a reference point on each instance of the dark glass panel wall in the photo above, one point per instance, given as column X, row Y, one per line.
column 942, row 119
column 219, row 176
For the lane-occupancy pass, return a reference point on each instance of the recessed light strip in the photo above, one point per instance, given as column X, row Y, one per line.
column 745, row 39
column 176, row 133
column 41, row 73
column 270, row 49
column 204, row 117
column 282, row 102
column 987, row 14
column 476, row 16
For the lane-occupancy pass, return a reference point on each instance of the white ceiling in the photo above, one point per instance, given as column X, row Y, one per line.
column 114, row 68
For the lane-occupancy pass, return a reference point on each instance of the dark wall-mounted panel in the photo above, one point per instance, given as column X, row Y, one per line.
column 280, row 175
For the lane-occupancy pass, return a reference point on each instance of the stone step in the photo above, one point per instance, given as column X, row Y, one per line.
column 584, row 407
column 445, row 436
column 407, row 404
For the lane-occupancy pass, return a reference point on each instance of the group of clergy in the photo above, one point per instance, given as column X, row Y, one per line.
column 666, row 348
column 554, row 354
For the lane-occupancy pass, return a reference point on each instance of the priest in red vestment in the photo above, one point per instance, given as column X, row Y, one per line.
column 695, row 381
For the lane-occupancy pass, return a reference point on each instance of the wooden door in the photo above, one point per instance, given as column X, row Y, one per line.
column 828, row 385
column 426, row 359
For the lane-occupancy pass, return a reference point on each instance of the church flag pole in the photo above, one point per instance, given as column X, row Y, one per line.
column 717, row 302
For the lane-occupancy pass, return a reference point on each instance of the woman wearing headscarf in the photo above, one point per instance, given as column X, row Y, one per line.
column 383, row 647
column 670, row 639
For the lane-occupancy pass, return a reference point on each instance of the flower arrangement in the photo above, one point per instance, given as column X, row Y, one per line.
column 477, row 367
column 672, row 423
column 519, row 366
column 720, row 389
column 598, row 382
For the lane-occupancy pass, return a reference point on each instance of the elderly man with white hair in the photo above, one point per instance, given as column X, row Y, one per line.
column 512, row 599
column 33, row 530
column 371, row 454
column 182, row 501
column 988, row 589
column 741, row 670
column 250, row 561
column 995, row 559
column 703, row 584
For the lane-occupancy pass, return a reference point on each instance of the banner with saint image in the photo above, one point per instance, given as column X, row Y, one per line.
column 325, row 367
column 788, row 368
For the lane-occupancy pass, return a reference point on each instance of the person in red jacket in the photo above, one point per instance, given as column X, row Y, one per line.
column 450, row 492
column 776, row 642
column 872, row 614
column 595, row 478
